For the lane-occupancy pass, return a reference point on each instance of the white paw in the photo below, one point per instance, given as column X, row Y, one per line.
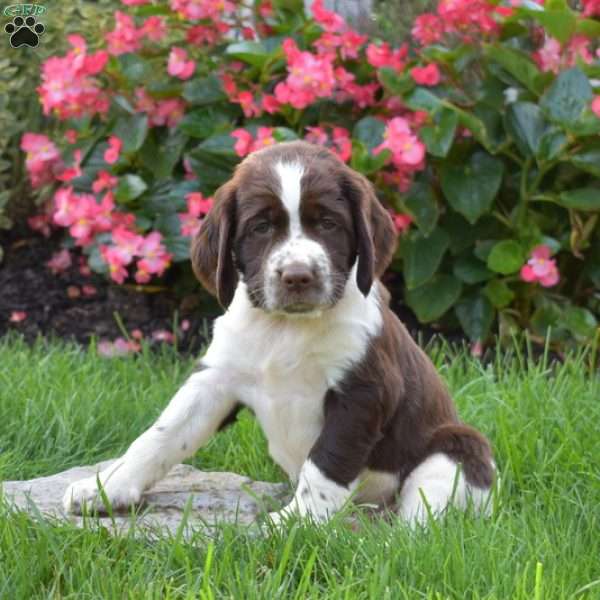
column 280, row 517
column 85, row 493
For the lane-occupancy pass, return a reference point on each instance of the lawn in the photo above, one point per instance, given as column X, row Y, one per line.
column 61, row 406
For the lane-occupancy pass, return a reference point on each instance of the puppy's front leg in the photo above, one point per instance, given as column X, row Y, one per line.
column 192, row 416
column 329, row 475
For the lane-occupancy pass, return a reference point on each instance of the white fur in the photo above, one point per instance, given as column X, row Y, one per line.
column 297, row 248
column 279, row 367
column 316, row 496
column 433, row 485
column 190, row 419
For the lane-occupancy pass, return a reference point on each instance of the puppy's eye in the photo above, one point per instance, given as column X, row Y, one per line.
column 327, row 223
column 262, row 227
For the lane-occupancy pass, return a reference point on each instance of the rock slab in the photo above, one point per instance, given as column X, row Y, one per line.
column 213, row 497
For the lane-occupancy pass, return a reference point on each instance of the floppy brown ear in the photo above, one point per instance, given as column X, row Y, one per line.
column 375, row 231
column 212, row 248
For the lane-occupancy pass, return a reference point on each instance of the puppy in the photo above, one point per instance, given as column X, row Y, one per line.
column 293, row 249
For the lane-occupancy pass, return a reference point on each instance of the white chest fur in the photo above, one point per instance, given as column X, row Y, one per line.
column 281, row 366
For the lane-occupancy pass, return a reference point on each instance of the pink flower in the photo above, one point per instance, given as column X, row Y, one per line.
column 60, row 261
column 137, row 334
column 42, row 160
column 179, row 66
column 185, row 325
column 342, row 143
column 243, row 142
column 198, row 206
column 205, row 35
column 429, row 75
column 155, row 258
column 548, row 57
column 596, row 106
column 384, row 56
column 540, row 267
column 71, row 136
column 127, row 244
column 327, row 19
column 246, row 101
column 116, row 265
column 162, row 335
column 67, row 89
column 351, row 43
column 74, row 171
column 202, row 9
column 591, row 8
column 405, row 147
column 154, row 28
column 270, row 104
column 402, row 221
column 89, row 290
column 428, row 29
column 17, row 316
column 168, row 112
column 111, row 155
column 104, row 181
column 120, row 347
column 135, row 2
column 40, row 223
column 125, row 37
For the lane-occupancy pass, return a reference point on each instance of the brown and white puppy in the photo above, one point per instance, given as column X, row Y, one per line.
column 293, row 249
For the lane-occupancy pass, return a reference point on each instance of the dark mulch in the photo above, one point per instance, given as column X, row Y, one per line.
column 27, row 284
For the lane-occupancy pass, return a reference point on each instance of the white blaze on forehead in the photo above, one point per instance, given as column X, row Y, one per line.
column 290, row 176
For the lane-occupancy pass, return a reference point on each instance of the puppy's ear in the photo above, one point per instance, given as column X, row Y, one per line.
column 212, row 248
column 374, row 228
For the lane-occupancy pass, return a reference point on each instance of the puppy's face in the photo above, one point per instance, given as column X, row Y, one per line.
column 291, row 223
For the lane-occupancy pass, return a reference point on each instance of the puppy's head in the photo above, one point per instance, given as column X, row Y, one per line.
column 292, row 222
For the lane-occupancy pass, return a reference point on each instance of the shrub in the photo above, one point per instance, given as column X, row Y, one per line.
column 19, row 105
column 481, row 138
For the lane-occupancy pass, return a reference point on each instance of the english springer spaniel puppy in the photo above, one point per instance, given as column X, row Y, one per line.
column 293, row 249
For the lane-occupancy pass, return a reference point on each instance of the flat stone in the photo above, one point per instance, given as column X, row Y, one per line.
column 213, row 498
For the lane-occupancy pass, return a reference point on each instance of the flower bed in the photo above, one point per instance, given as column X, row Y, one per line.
column 481, row 138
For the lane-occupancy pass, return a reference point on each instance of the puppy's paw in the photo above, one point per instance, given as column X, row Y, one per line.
column 280, row 517
column 86, row 493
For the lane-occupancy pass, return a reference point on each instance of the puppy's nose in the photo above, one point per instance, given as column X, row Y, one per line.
column 297, row 277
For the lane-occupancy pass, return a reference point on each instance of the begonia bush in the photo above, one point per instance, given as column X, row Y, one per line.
column 481, row 137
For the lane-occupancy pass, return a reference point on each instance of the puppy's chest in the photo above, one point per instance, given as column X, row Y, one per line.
column 289, row 405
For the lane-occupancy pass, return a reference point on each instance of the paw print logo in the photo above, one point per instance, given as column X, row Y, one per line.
column 24, row 32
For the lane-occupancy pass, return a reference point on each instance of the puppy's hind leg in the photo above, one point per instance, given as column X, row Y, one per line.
column 458, row 470
column 190, row 419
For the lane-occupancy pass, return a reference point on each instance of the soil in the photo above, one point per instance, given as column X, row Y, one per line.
column 53, row 308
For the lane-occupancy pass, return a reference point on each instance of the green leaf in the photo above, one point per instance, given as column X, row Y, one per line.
column 422, row 205
column 284, row 134
column 132, row 129
column 396, row 83
column 160, row 153
column 369, row 131
column 134, row 68
column 568, row 97
column 470, row 269
column 588, row 159
column 506, row 257
column 586, row 199
column 560, row 24
column 432, row 300
column 129, row 188
column 422, row 256
column 203, row 122
column 423, row 99
column 476, row 316
column 526, row 125
column 439, row 137
column 178, row 246
column 207, row 90
column 581, row 322
column 364, row 161
column 253, row 53
column 552, row 143
column 518, row 64
column 498, row 292
column 471, row 187
column 589, row 27
column 549, row 317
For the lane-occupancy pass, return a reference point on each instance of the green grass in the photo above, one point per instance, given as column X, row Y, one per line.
column 61, row 406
